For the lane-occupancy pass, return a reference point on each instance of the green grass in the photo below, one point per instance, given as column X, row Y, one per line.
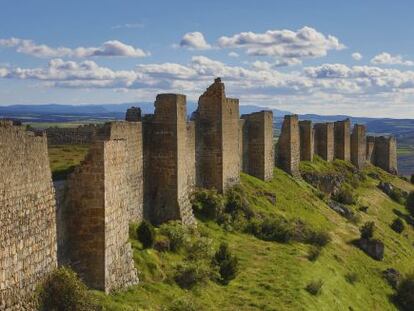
column 273, row 276
column 63, row 159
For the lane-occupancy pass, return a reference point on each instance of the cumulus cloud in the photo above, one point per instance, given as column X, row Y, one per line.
column 286, row 44
column 108, row 48
column 388, row 59
column 195, row 41
column 233, row 54
column 356, row 56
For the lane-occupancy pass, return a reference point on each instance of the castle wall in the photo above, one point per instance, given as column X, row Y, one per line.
column 133, row 114
column 306, row 140
column 386, row 153
column 28, row 249
column 217, row 139
column 168, row 141
column 358, row 146
column 288, row 157
column 342, row 140
column 258, row 140
column 97, row 218
column 81, row 135
column 371, row 149
column 324, row 140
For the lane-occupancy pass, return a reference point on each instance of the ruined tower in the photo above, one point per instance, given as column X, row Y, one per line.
column 28, row 247
column 133, row 114
column 371, row 149
column 306, row 140
column 257, row 142
column 324, row 140
column 169, row 161
column 358, row 146
column 342, row 140
column 217, row 139
column 288, row 156
column 386, row 153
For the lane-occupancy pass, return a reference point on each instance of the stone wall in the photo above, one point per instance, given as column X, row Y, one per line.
column 358, row 146
column 386, row 153
column 342, row 140
column 217, row 139
column 288, row 156
column 324, row 140
column 306, row 140
column 169, row 163
column 81, row 135
column 371, row 149
column 97, row 218
column 28, row 250
column 257, row 142
column 133, row 114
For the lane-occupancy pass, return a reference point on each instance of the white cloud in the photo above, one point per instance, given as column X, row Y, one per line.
column 233, row 54
column 108, row 48
column 195, row 41
column 388, row 59
column 128, row 26
column 356, row 56
column 286, row 44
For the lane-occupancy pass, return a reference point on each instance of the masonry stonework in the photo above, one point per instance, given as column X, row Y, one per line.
column 217, row 139
column 342, row 139
column 324, row 140
column 81, row 135
column 97, row 218
column 358, row 146
column 386, row 153
column 257, row 142
column 28, row 249
column 169, row 161
column 306, row 140
column 288, row 156
column 133, row 114
column 371, row 149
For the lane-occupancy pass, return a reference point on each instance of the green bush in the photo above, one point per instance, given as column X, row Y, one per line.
column 236, row 203
column 207, row 204
column 351, row 277
column 314, row 253
column 344, row 196
column 398, row 225
column 184, row 303
column 271, row 230
column 405, row 293
column 410, row 203
column 314, row 288
column 226, row 262
column 190, row 273
column 176, row 233
column 412, row 179
column 63, row 290
column 318, row 238
column 367, row 230
column 200, row 248
column 397, row 195
column 146, row 234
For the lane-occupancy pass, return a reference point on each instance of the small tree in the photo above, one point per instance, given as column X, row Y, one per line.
column 367, row 230
column 410, row 203
column 226, row 262
column 398, row 225
column 146, row 234
column 412, row 179
column 405, row 293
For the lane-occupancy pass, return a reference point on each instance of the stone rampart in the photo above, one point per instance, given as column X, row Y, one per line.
column 288, row 156
column 342, row 140
column 84, row 134
column 358, row 146
column 324, row 140
column 306, row 140
column 386, row 153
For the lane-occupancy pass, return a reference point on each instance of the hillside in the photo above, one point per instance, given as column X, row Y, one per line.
column 273, row 275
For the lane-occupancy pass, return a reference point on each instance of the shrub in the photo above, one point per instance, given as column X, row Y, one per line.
column 184, row 303
column 314, row 287
column 176, row 233
column 207, row 203
column 188, row 274
column 410, row 203
column 412, row 179
column 63, row 290
column 200, row 248
column 344, row 196
column 226, row 262
column 398, row 225
column 318, row 238
column 351, row 277
column 162, row 244
column 367, row 230
column 237, row 203
column 314, row 253
column 271, row 230
column 405, row 293
column 397, row 195
column 146, row 234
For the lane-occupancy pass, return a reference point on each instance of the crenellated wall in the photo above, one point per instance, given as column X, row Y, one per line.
column 342, row 140
column 288, row 151
column 28, row 247
column 324, row 140
column 306, row 140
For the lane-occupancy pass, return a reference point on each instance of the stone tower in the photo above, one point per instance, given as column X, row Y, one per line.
column 342, row 140
column 133, row 114
column 358, row 146
column 288, row 156
column 324, row 140
column 258, row 157
column 386, row 153
column 306, row 140
column 169, row 161
column 371, row 149
column 217, row 139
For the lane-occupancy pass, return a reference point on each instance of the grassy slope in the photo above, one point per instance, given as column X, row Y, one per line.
column 63, row 158
column 273, row 275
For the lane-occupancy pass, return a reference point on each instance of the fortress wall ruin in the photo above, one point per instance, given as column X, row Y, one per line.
column 342, row 140
column 167, row 138
column 133, row 114
column 28, row 249
column 217, row 139
column 371, row 149
column 288, row 157
column 324, row 140
column 257, row 138
column 97, row 218
column 358, row 146
column 84, row 134
column 386, row 153
column 306, row 140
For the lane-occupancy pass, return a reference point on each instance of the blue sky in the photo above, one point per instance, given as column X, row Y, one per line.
column 327, row 57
